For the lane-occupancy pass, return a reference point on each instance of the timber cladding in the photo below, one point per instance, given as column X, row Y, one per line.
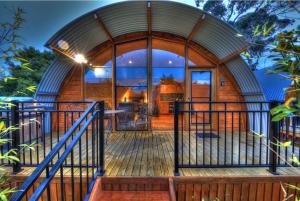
column 55, row 188
column 236, row 188
column 226, row 188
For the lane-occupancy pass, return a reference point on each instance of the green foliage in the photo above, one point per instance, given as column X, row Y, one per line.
column 11, row 55
column 287, row 58
column 26, row 73
column 282, row 111
column 6, row 192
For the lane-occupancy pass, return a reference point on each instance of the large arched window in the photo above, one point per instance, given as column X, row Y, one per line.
column 145, row 90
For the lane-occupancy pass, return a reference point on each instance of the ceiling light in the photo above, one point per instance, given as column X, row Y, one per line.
column 130, row 62
column 99, row 72
column 79, row 58
column 170, row 62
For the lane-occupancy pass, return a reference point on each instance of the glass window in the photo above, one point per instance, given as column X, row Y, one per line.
column 132, row 68
column 132, row 86
column 98, row 83
column 167, row 86
column 201, row 92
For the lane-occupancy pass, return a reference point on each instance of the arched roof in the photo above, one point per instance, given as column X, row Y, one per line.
column 84, row 33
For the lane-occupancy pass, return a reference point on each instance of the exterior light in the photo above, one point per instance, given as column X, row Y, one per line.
column 130, row 62
column 170, row 62
column 79, row 58
column 222, row 81
column 63, row 45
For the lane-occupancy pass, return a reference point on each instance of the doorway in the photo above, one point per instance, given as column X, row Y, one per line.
column 201, row 96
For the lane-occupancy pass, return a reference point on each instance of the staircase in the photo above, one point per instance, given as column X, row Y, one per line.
column 133, row 189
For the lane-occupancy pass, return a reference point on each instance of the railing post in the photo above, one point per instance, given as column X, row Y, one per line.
column 101, row 137
column 176, row 161
column 15, row 134
column 273, row 136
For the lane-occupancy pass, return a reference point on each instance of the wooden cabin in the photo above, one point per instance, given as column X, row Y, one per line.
column 173, row 96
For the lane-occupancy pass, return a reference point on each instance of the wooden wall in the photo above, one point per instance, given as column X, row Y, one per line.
column 264, row 188
column 227, row 188
column 55, row 188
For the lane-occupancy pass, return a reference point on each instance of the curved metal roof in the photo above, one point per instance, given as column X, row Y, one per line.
column 53, row 78
column 84, row 33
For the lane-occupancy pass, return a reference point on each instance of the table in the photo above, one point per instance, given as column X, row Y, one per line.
column 108, row 116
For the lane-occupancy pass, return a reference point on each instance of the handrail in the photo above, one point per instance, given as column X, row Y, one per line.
column 43, row 165
column 60, row 161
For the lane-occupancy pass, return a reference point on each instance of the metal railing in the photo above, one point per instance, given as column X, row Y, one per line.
column 74, row 152
column 39, row 123
column 232, row 134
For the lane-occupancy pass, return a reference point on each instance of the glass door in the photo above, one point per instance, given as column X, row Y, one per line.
column 201, row 82
column 131, row 87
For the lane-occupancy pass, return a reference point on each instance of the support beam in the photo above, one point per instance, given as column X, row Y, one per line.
column 149, row 95
column 104, row 28
column 232, row 56
column 149, row 17
column 114, row 101
column 57, row 50
column 196, row 28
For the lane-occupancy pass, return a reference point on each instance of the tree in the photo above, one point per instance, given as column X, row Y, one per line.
column 248, row 16
column 28, row 71
column 287, row 64
column 10, row 41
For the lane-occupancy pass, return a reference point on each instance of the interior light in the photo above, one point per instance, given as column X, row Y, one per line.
column 79, row 58
column 99, row 72
column 130, row 62
column 170, row 62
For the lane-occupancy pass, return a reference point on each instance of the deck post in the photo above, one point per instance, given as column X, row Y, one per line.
column 15, row 134
column 273, row 136
column 101, row 137
column 176, row 169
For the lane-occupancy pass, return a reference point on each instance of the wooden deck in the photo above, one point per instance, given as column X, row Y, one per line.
column 151, row 154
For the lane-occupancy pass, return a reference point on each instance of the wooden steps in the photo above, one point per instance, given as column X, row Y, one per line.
column 133, row 189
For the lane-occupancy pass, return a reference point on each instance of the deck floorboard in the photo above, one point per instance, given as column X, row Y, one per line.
column 151, row 154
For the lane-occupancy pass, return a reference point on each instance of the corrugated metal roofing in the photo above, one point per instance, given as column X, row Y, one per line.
column 84, row 33
column 219, row 37
column 53, row 79
column 124, row 18
column 174, row 18
column 244, row 76
column 273, row 85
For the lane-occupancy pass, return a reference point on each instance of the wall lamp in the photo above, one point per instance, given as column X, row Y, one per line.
column 222, row 81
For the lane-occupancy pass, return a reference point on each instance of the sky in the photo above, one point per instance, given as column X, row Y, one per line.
column 45, row 18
